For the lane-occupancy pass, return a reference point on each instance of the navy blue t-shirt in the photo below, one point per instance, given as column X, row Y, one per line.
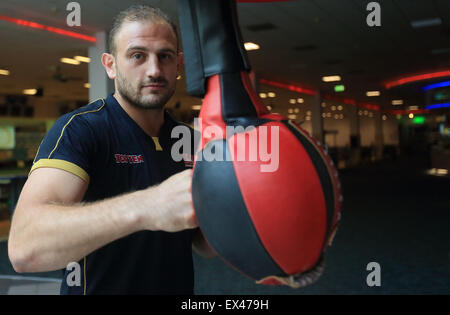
column 104, row 146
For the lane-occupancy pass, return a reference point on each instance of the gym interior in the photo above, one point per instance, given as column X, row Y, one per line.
column 369, row 79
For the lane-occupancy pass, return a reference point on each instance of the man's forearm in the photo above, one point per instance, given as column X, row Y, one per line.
column 50, row 236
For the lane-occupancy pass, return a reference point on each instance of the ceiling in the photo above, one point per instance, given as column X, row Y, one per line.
column 306, row 40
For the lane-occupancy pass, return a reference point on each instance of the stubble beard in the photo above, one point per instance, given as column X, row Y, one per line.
column 134, row 97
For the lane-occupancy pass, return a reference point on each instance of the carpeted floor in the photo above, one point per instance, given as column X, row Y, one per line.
column 393, row 214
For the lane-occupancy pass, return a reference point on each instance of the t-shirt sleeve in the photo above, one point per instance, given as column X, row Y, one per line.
column 69, row 145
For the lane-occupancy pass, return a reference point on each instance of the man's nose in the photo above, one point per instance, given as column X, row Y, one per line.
column 153, row 67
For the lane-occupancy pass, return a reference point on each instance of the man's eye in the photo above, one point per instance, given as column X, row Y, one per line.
column 165, row 56
column 137, row 56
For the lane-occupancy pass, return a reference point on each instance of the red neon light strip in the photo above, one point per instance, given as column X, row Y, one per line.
column 48, row 28
column 415, row 78
column 290, row 87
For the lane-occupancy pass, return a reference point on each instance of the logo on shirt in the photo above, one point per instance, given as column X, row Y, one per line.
column 128, row 159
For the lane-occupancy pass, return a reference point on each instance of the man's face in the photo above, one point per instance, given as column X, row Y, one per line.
column 146, row 63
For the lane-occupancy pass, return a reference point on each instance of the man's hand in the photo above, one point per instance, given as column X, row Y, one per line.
column 175, row 210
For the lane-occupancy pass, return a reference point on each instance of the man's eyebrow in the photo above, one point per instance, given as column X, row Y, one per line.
column 143, row 48
column 167, row 50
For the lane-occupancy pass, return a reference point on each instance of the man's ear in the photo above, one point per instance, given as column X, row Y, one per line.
column 108, row 62
column 180, row 62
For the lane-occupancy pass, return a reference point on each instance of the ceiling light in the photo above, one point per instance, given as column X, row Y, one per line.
column 411, row 115
column 271, row 94
column 179, row 77
column 373, row 93
column 296, row 110
column 262, row 95
column 384, row 117
column 331, row 78
column 87, row 85
column 196, row 107
column 414, row 107
column 4, row 72
column 269, row 107
column 300, row 100
column 251, row 46
column 292, row 116
column 426, row 23
column 82, row 59
column 292, row 101
column 442, row 171
column 70, row 61
column 397, row 102
column 308, row 117
column 333, row 108
column 340, row 107
column 290, row 110
column 30, row 91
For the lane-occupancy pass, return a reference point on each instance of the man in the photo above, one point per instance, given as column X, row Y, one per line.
column 92, row 195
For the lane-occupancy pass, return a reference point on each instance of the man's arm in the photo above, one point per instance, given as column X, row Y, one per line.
column 51, row 228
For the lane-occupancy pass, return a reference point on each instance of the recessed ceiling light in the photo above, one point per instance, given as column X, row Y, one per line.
column 251, row 46
column 87, row 85
column 4, row 72
column 271, row 94
column 413, row 107
column 196, row 107
column 331, row 78
column 70, row 61
column 397, row 102
column 300, row 100
column 82, row 59
column 292, row 101
column 30, row 91
column 373, row 93
column 263, row 95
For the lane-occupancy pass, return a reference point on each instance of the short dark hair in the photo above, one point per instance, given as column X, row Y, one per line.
column 137, row 13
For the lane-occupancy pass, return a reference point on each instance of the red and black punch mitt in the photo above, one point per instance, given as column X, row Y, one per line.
column 271, row 219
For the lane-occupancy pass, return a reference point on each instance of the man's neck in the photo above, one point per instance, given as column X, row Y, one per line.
column 150, row 120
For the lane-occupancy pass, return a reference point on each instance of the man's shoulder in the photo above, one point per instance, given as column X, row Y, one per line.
column 91, row 114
